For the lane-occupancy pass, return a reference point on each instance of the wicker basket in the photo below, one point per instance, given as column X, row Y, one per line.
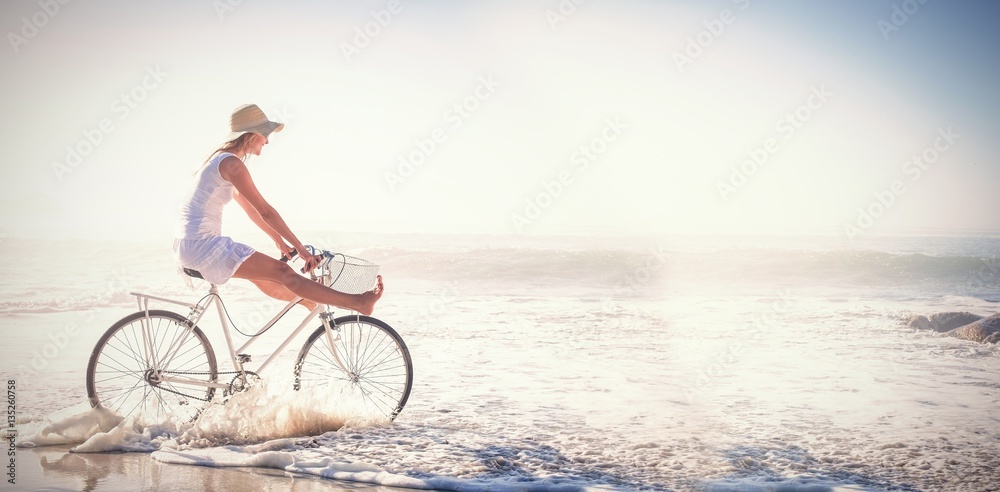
column 352, row 275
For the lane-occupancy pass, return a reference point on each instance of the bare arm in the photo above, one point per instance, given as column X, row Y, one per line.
column 257, row 219
column 260, row 212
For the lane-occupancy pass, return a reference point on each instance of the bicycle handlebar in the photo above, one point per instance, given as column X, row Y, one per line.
column 326, row 255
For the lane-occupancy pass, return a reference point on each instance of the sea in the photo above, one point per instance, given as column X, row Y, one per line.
column 573, row 362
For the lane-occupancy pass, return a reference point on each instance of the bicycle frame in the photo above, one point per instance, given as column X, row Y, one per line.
column 157, row 362
column 195, row 315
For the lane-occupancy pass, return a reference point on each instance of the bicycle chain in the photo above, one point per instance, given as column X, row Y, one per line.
column 164, row 388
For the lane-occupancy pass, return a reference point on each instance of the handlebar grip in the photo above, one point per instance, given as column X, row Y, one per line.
column 286, row 258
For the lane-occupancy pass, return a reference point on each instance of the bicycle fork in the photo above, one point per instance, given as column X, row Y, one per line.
column 331, row 340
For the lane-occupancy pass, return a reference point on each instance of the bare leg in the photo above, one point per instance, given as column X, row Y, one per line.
column 262, row 267
column 280, row 293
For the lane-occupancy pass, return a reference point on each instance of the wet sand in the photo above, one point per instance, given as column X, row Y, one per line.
column 54, row 468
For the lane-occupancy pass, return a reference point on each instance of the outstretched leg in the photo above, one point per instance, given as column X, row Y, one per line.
column 260, row 267
column 279, row 292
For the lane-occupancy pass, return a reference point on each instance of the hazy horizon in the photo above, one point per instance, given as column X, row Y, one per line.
column 723, row 117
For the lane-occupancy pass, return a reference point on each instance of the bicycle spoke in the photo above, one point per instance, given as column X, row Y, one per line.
column 377, row 364
column 140, row 361
column 145, row 392
column 118, row 367
column 183, row 335
column 369, row 345
column 326, row 377
column 383, row 403
column 380, row 362
column 122, row 396
column 126, row 354
column 319, row 353
column 124, row 367
column 361, row 352
column 196, row 356
column 112, row 378
column 159, row 348
column 382, row 390
column 369, row 375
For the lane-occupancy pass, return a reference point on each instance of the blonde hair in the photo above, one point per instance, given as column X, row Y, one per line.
column 239, row 143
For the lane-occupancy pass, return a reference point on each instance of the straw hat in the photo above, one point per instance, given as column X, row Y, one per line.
column 248, row 118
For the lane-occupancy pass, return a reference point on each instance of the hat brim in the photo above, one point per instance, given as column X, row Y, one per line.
column 265, row 129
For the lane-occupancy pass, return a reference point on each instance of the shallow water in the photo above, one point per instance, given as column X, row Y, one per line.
column 565, row 365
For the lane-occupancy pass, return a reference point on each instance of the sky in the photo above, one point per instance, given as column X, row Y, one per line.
column 517, row 117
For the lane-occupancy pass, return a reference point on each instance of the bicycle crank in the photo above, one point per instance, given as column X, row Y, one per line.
column 240, row 383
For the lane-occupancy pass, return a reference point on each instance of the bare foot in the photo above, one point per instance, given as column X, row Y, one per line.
column 368, row 299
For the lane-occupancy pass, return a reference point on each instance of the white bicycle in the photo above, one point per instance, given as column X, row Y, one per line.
column 160, row 364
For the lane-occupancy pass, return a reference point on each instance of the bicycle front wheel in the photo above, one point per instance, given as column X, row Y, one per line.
column 157, row 368
column 368, row 367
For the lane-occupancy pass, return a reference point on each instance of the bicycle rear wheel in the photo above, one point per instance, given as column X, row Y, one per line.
column 374, row 374
column 121, row 375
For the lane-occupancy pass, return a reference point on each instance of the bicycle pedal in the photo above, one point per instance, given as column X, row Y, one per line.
column 243, row 358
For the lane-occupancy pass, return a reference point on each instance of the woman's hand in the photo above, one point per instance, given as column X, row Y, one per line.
column 285, row 249
column 312, row 261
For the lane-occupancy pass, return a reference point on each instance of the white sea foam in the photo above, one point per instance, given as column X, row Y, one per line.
column 270, row 411
column 71, row 425
column 695, row 377
column 255, row 415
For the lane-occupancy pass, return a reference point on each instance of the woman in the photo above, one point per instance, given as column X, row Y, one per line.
column 201, row 246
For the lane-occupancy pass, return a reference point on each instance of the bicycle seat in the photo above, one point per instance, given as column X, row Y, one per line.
column 193, row 273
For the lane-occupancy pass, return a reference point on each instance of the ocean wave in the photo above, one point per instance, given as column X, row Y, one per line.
column 41, row 304
column 876, row 265
column 610, row 267
column 45, row 302
column 624, row 271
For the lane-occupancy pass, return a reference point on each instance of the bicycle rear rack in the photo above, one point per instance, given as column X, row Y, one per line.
column 193, row 316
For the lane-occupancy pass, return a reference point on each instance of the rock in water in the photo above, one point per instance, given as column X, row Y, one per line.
column 986, row 330
column 943, row 322
column 919, row 322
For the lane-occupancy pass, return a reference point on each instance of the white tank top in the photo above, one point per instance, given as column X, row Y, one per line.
column 201, row 211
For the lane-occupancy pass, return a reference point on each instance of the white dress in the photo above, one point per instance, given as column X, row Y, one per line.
column 199, row 243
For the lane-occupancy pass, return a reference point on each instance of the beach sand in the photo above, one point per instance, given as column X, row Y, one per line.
column 56, row 468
